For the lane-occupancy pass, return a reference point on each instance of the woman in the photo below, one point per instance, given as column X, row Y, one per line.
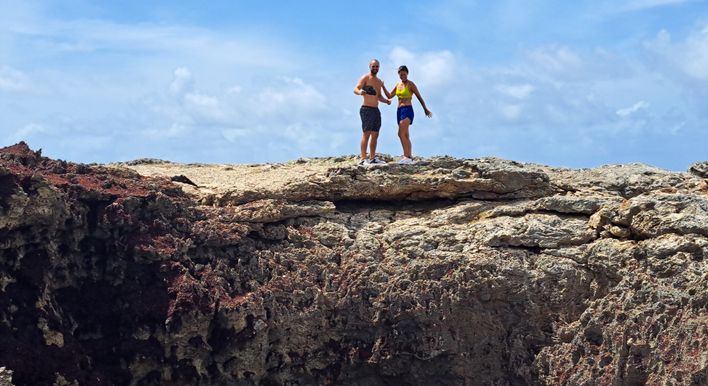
column 405, row 90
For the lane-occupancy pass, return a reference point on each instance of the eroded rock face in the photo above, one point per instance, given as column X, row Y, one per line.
column 700, row 169
column 446, row 272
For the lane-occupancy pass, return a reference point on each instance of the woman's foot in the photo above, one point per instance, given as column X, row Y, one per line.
column 406, row 161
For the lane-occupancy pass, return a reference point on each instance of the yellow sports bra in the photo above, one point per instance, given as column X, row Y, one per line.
column 404, row 93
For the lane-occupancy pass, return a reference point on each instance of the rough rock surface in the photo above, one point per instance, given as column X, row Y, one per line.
column 700, row 169
column 319, row 272
column 5, row 377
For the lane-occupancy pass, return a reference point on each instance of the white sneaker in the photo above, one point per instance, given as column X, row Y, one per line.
column 377, row 161
column 364, row 162
column 406, row 161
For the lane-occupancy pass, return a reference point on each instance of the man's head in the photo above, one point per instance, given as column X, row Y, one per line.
column 374, row 66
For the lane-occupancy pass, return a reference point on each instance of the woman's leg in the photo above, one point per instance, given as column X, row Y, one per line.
column 403, row 134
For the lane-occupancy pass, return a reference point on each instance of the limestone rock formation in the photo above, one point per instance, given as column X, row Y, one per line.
column 320, row 272
column 700, row 169
column 5, row 377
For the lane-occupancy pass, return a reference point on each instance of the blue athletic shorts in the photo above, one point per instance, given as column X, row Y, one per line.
column 404, row 112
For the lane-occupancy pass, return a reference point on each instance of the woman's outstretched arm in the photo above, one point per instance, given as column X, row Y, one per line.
column 414, row 88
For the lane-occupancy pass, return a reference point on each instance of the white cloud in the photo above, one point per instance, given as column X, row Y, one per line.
column 555, row 59
column 663, row 39
column 285, row 109
column 193, row 107
column 290, row 96
column 638, row 5
column 518, row 91
column 696, row 54
column 120, row 79
column 542, row 92
column 510, row 112
column 234, row 135
column 12, row 80
column 28, row 131
column 627, row 111
column 612, row 8
column 302, row 134
column 690, row 55
column 563, row 66
column 182, row 82
column 201, row 100
column 177, row 129
column 430, row 69
column 205, row 108
column 37, row 36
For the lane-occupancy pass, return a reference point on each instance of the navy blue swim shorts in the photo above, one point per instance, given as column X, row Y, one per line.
column 404, row 112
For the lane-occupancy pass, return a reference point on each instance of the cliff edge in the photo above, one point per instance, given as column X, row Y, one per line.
column 320, row 272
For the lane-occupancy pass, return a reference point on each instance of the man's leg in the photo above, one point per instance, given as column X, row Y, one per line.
column 364, row 142
column 372, row 144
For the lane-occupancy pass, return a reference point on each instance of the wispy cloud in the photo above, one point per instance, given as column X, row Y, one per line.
column 607, row 8
column 627, row 111
column 182, row 82
column 28, row 130
column 560, row 101
column 689, row 55
column 12, row 80
column 290, row 97
column 547, row 82
column 639, row 5
column 556, row 59
column 150, row 83
column 517, row 91
column 433, row 69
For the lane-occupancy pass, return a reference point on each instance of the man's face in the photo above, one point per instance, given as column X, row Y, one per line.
column 374, row 67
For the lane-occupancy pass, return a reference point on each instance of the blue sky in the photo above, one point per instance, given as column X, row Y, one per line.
column 575, row 84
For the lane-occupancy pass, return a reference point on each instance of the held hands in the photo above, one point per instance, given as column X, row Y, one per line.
column 388, row 101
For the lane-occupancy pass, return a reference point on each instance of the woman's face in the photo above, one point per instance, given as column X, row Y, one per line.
column 403, row 75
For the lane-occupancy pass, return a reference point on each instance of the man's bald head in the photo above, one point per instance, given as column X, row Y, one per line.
column 374, row 66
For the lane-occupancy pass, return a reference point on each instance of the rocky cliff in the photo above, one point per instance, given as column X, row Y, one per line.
column 319, row 272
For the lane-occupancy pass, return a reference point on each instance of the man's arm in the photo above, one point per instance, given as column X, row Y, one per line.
column 381, row 98
column 358, row 88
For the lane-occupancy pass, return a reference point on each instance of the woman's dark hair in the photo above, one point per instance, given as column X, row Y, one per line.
column 403, row 68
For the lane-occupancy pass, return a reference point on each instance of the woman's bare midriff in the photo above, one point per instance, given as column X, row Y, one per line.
column 405, row 102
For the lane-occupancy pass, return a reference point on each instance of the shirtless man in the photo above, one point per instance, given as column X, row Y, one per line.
column 369, row 87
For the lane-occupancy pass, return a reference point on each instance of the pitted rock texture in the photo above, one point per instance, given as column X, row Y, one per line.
column 319, row 272
column 700, row 169
column 5, row 377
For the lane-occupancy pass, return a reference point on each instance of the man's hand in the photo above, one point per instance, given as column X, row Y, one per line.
column 388, row 101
